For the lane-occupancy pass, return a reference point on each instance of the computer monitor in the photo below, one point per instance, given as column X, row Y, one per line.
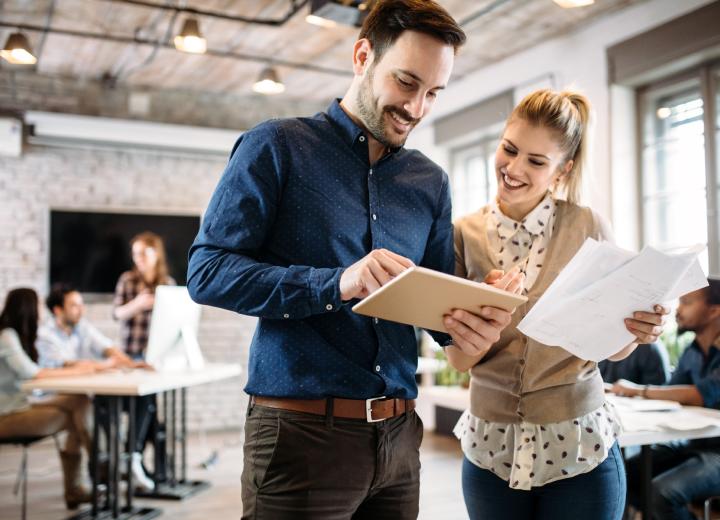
column 172, row 342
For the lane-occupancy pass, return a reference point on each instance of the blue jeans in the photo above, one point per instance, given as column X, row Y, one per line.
column 596, row 495
column 682, row 474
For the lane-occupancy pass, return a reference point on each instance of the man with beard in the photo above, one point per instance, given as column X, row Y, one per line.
column 310, row 215
column 685, row 472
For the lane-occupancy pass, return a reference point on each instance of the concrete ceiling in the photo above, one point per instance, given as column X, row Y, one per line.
column 495, row 28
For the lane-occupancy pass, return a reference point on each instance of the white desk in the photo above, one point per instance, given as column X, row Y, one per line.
column 134, row 382
column 115, row 385
column 656, row 433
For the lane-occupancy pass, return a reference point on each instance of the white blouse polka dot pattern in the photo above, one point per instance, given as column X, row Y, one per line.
column 522, row 243
column 532, row 455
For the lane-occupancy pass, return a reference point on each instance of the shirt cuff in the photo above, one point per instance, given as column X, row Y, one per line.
column 325, row 287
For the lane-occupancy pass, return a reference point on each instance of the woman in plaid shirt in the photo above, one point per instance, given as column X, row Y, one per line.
column 133, row 304
column 135, row 291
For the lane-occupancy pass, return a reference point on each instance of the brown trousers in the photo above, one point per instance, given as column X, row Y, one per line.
column 50, row 415
column 302, row 466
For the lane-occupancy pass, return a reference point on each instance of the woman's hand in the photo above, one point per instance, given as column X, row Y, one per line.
column 474, row 334
column 144, row 301
column 647, row 326
column 513, row 281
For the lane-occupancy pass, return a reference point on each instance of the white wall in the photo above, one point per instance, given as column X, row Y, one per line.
column 575, row 60
column 137, row 181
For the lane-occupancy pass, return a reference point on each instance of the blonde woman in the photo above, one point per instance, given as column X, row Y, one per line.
column 539, row 439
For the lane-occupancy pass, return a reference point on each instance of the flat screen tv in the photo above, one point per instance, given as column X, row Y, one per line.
column 90, row 250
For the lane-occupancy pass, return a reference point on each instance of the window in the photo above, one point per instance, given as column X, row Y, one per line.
column 678, row 174
column 472, row 176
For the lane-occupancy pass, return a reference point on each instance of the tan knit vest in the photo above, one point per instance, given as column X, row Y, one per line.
column 520, row 378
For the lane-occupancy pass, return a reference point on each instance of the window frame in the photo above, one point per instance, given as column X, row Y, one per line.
column 708, row 77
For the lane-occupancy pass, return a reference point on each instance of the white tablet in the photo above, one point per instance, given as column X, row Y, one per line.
column 421, row 297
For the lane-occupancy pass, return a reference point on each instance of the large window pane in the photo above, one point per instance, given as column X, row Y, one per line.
column 472, row 176
column 674, row 178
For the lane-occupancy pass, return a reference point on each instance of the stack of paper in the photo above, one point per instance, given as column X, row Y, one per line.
column 583, row 311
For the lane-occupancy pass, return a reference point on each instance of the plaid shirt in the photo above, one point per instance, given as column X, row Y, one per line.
column 134, row 331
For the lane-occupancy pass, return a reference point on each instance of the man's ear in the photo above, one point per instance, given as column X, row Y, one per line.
column 362, row 56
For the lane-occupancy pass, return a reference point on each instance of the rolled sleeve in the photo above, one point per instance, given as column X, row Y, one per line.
column 96, row 343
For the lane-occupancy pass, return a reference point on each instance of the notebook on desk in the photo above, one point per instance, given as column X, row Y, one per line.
column 421, row 297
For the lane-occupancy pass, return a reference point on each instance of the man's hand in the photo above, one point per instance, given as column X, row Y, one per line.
column 474, row 334
column 371, row 272
column 627, row 388
column 647, row 326
column 513, row 281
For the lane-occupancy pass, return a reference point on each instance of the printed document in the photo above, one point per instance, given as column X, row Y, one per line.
column 583, row 311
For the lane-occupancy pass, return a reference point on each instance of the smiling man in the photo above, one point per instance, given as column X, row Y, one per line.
column 310, row 215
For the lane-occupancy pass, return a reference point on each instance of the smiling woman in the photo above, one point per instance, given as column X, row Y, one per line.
column 538, row 432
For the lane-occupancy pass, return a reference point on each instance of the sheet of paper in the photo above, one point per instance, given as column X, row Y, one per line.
column 583, row 310
column 678, row 420
column 635, row 404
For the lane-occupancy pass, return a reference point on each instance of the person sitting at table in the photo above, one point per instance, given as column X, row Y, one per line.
column 24, row 416
column 68, row 339
column 648, row 365
column 686, row 471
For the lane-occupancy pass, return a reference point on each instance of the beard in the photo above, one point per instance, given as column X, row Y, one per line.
column 373, row 116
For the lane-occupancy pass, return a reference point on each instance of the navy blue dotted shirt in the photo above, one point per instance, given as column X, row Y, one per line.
column 299, row 202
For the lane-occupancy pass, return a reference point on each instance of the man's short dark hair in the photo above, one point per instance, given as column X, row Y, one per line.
column 390, row 18
column 56, row 296
column 712, row 292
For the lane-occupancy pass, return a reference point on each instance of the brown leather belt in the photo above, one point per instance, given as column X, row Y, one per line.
column 372, row 410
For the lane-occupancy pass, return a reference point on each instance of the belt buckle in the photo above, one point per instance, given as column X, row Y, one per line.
column 368, row 409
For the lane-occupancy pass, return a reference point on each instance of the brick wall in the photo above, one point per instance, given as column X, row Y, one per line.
column 129, row 180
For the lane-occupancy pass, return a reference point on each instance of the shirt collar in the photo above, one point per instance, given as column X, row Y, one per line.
column 534, row 222
column 353, row 134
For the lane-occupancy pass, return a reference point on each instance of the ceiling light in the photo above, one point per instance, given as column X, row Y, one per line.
column 320, row 21
column 329, row 13
column 568, row 4
column 269, row 82
column 190, row 39
column 17, row 50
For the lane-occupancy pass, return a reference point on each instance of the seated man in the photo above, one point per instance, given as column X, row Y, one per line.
column 648, row 365
column 67, row 339
column 686, row 471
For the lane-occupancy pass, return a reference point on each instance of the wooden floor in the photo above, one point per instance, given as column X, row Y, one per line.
column 440, row 498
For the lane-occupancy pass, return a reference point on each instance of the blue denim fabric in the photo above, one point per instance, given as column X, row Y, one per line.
column 297, row 204
column 695, row 369
column 596, row 495
column 681, row 474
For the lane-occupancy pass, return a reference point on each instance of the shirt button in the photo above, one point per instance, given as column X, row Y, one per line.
column 376, row 321
column 374, row 216
column 361, row 139
column 329, row 307
column 377, row 368
column 286, row 315
column 370, row 171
